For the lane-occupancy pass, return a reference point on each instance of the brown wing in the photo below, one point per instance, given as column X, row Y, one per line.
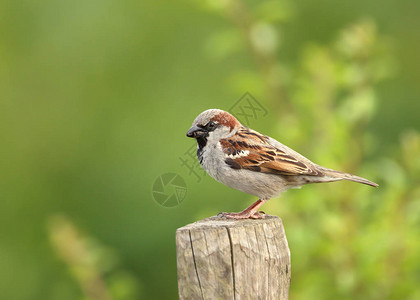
column 256, row 154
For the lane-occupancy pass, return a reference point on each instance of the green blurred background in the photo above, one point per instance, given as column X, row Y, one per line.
column 95, row 100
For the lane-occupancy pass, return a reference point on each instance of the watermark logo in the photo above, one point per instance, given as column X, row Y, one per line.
column 247, row 109
column 169, row 190
column 190, row 161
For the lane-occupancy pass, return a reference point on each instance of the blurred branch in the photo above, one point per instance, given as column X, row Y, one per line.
column 262, row 40
column 72, row 248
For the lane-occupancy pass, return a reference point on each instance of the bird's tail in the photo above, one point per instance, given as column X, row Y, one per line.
column 346, row 176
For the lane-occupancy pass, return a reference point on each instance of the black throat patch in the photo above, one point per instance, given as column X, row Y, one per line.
column 201, row 142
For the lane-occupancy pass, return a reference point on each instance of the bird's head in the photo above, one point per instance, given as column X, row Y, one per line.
column 213, row 125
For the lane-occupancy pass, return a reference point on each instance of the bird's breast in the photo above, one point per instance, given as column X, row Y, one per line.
column 211, row 158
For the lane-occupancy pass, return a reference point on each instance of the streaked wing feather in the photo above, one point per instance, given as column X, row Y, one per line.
column 263, row 157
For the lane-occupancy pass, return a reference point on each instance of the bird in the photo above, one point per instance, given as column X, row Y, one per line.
column 254, row 163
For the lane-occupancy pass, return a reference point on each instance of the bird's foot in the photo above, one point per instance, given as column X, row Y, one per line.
column 243, row 215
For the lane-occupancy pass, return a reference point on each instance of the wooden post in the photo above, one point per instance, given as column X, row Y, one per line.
column 219, row 258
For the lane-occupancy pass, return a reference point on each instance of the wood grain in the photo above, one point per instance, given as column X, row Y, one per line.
column 219, row 258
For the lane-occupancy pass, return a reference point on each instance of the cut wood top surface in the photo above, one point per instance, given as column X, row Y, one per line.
column 217, row 221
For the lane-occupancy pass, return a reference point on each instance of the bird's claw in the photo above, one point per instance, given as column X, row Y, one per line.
column 243, row 215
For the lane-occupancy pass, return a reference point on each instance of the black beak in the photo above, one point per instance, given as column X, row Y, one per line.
column 196, row 132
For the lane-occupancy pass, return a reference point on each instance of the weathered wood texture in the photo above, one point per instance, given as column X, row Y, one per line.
column 220, row 258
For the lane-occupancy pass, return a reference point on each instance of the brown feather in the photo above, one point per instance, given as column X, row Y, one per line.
column 226, row 119
column 263, row 157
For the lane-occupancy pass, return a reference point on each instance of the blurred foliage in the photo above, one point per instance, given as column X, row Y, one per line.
column 360, row 244
column 95, row 100
column 89, row 262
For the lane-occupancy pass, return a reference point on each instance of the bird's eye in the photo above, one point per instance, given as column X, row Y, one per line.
column 211, row 125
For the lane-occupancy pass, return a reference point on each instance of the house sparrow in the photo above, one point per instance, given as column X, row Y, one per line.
column 251, row 162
